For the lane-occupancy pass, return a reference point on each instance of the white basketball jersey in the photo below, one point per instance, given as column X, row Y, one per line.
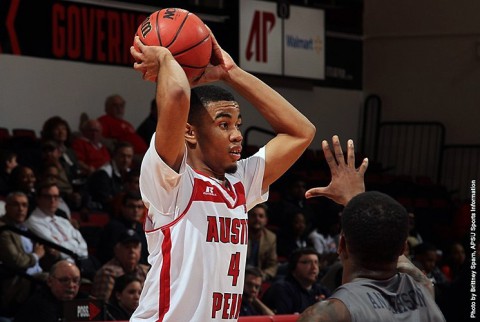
column 197, row 239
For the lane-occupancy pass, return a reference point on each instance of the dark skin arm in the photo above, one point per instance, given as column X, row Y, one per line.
column 326, row 311
column 347, row 181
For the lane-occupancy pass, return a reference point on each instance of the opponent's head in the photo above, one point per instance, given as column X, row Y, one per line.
column 375, row 228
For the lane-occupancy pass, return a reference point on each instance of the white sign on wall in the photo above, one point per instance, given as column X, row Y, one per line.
column 260, row 37
column 292, row 47
column 304, row 41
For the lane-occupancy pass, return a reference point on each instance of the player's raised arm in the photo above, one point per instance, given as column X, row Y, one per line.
column 172, row 96
column 294, row 131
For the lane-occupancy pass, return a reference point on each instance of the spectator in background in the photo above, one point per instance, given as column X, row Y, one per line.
column 45, row 223
column 324, row 237
column 108, row 180
column 131, row 184
column 293, row 236
column 293, row 200
column 125, row 298
column 125, row 260
column 251, row 303
column 426, row 259
column 115, row 127
column 51, row 158
column 149, row 125
column 300, row 288
column 22, row 178
column 19, row 254
column 262, row 243
column 131, row 215
column 90, row 151
column 57, row 129
column 46, row 304
column 453, row 261
column 8, row 161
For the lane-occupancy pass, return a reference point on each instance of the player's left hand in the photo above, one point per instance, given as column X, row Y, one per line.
column 220, row 64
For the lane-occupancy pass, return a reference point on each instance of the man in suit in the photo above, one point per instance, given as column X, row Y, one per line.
column 18, row 254
column 262, row 243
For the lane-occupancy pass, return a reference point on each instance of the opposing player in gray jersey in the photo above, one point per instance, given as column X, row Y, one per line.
column 378, row 282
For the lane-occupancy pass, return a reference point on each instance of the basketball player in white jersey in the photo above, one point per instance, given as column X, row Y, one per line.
column 198, row 191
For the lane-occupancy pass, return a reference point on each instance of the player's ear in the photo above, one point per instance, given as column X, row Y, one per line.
column 190, row 134
column 342, row 246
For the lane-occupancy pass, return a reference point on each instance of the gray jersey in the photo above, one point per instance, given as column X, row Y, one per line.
column 399, row 298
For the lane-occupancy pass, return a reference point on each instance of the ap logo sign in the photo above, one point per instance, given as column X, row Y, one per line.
column 260, row 37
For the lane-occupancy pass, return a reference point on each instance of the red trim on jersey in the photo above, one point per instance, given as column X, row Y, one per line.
column 164, row 300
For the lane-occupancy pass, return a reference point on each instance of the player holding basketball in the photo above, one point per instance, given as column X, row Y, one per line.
column 198, row 190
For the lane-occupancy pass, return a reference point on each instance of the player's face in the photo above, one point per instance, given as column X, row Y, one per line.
column 219, row 137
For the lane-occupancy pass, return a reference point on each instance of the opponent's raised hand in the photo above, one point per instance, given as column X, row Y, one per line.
column 347, row 181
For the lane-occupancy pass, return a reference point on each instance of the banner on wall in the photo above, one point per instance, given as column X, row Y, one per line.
column 68, row 30
column 281, row 40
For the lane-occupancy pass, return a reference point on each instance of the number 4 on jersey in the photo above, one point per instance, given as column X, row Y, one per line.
column 234, row 269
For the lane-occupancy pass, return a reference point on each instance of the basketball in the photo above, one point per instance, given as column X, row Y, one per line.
column 183, row 33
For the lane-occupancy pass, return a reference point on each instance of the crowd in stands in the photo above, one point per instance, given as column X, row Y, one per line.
column 51, row 188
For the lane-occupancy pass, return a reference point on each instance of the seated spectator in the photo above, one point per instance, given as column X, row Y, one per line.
column 90, row 151
column 251, row 303
column 300, row 288
column 149, row 125
column 115, row 127
column 51, row 157
column 293, row 236
column 46, row 304
column 8, row 161
column 22, row 178
column 454, row 260
column 293, row 201
column 125, row 260
column 57, row 130
column 44, row 223
column 426, row 259
column 324, row 237
column 125, row 298
column 108, row 180
column 131, row 214
column 19, row 255
column 262, row 243
column 131, row 184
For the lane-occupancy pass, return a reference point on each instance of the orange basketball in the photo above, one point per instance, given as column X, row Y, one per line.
column 183, row 33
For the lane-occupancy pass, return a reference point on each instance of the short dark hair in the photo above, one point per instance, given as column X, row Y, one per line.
column 131, row 195
column 296, row 254
column 252, row 270
column 120, row 145
column 375, row 227
column 201, row 96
